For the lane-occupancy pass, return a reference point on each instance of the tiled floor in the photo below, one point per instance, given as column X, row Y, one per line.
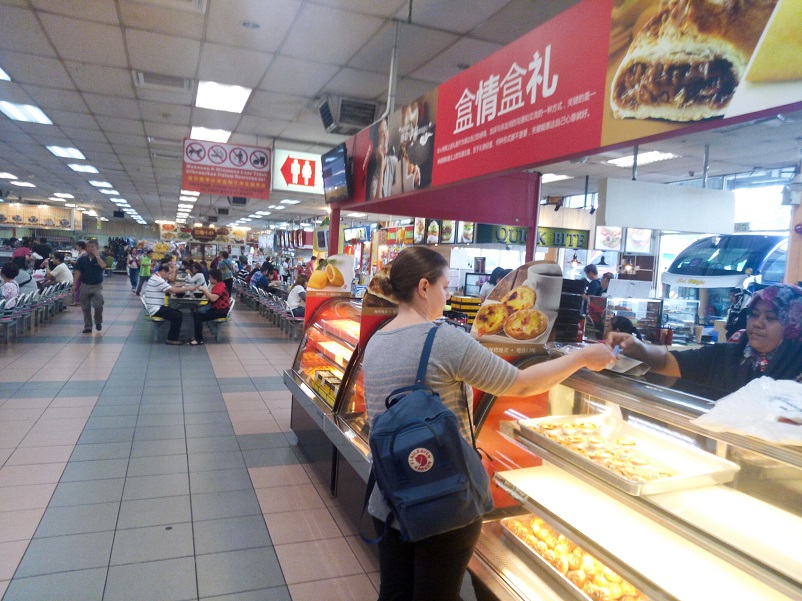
column 132, row 470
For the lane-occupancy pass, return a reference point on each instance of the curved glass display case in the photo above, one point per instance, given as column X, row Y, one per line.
column 661, row 505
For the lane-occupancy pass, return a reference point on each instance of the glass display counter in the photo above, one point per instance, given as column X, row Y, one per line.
column 681, row 316
column 645, row 314
column 696, row 515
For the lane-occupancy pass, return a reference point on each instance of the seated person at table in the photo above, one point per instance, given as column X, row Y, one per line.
column 155, row 290
column 221, row 302
column 9, row 290
column 60, row 273
column 297, row 297
column 196, row 276
column 24, row 278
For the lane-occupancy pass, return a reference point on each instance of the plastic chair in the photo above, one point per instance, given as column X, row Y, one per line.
column 214, row 324
column 157, row 321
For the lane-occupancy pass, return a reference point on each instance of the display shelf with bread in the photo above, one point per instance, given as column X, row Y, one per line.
column 731, row 531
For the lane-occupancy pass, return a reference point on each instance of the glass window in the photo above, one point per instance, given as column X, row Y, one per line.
column 724, row 255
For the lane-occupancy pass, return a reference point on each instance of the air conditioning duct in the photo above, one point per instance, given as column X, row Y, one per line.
column 346, row 116
column 211, row 218
column 222, row 211
column 239, row 201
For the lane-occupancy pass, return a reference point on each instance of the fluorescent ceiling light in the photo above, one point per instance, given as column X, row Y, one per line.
column 188, row 207
column 644, row 158
column 280, row 208
column 4, row 76
column 221, row 97
column 83, row 168
column 91, row 213
column 197, row 224
column 188, row 198
column 66, row 153
column 130, row 210
column 70, row 205
column 254, row 216
column 190, row 193
column 63, row 195
column 210, row 135
column 263, row 212
column 318, row 221
column 164, row 221
column 246, row 219
column 287, row 201
column 548, row 178
column 24, row 112
column 16, row 182
column 98, row 184
column 104, row 218
column 107, row 191
column 357, row 215
column 54, row 199
column 6, row 175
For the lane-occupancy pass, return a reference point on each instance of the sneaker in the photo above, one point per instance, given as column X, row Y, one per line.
column 98, row 326
column 87, row 330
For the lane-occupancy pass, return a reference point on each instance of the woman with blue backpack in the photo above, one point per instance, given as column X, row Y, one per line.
column 432, row 568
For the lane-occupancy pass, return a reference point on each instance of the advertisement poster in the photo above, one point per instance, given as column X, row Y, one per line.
column 609, row 237
column 448, row 232
column 466, row 230
column 432, row 231
column 520, row 312
column 226, row 169
column 419, row 236
column 537, row 98
column 19, row 215
column 174, row 232
column 639, row 240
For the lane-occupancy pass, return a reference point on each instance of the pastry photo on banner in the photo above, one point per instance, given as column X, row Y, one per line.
column 676, row 62
column 521, row 310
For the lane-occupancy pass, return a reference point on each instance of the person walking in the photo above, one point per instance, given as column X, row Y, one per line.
column 227, row 269
column 80, row 246
column 132, row 263
column 144, row 270
column 88, row 272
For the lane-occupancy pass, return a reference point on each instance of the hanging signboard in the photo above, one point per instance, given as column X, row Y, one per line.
column 226, row 169
column 174, row 232
column 297, row 172
column 20, row 215
column 643, row 69
column 555, row 237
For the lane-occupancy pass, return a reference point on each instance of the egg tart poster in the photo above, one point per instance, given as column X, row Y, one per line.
column 519, row 314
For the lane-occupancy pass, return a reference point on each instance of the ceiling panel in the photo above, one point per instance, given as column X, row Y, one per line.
column 125, row 108
column 336, row 34
column 460, row 16
column 174, row 114
column 447, row 64
column 97, row 79
column 382, row 8
column 51, row 98
column 517, row 18
column 165, row 132
column 215, row 119
column 162, row 20
column 297, row 76
column 68, row 119
column 236, row 66
column 40, row 71
column 358, row 84
column 275, row 106
column 164, row 54
column 123, row 126
column 260, row 126
column 226, row 17
column 100, row 10
column 84, row 41
column 20, row 31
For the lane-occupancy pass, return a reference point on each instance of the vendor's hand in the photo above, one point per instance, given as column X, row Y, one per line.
column 596, row 356
column 626, row 342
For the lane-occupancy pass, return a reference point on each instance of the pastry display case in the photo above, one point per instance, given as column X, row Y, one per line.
column 645, row 314
column 681, row 316
column 625, row 498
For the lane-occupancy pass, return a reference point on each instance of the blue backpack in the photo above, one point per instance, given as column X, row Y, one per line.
column 431, row 477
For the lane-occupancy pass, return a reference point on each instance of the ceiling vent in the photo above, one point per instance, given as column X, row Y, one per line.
column 164, row 83
column 346, row 116
column 222, row 211
column 210, row 219
column 194, row 6
column 239, row 201
column 164, row 155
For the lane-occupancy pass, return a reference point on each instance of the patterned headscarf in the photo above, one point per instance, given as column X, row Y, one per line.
column 787, row 302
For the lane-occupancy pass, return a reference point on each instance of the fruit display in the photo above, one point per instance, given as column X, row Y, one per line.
column 581, row 569
column 619, row 455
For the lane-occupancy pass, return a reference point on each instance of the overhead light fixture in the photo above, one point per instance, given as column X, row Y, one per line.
column 575, row 262
column 188, row 198
column 592, row 209
column 254, row 216
column 558, row 205
column 221, row 97
column 104, row 219
column 17, row 182
column 70, row 205
column 644, row 158
column 98, row 184
column 65, row 152
column 287, row 201
column 209, row 135
column 4, row 76
column 357, row 215
column 6, row 175
column 189, row 193
column 63, row 195
column 263, row 213
column 83, row 168
column 197, row 224
column 109, row 192
column 548, row 178
column 188, row 207
column 280, row 208
column 54, row 199
column 24, row 112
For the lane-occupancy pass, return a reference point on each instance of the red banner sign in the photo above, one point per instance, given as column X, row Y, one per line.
column 226, row 169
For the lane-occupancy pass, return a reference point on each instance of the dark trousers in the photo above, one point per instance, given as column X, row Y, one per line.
column 200, row 318
column 175, row 317
column 298, row 311
column 229, row 284
column 429, row 570
column 143, row 279
column 133, row 276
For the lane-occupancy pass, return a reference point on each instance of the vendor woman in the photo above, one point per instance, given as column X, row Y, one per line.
column 771, row 347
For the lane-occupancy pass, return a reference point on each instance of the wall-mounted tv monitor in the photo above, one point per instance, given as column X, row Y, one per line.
column 336, row 174
column 322, row 239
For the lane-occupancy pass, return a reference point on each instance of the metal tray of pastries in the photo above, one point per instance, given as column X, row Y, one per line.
column 582, row 572
column 632, row 460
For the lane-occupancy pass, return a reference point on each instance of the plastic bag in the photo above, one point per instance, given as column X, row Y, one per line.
column 765, row 408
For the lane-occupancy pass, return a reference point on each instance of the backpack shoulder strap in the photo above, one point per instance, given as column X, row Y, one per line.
column 424, row 357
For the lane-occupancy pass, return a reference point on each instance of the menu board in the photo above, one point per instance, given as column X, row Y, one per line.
column 639, row 240
column 419, row 236
column 465, row 235
column 608, row 237
column 433, row 227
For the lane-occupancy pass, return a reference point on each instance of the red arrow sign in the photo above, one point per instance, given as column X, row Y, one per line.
column 298, row 172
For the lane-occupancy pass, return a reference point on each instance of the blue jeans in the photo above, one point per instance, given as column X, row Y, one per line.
column 133, row 275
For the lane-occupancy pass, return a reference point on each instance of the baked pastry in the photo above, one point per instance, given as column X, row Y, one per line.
column 526, row 324
column 380, row 291
column 777, row 56
column 687, row 61
column 490, row 319
column 520, row 298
